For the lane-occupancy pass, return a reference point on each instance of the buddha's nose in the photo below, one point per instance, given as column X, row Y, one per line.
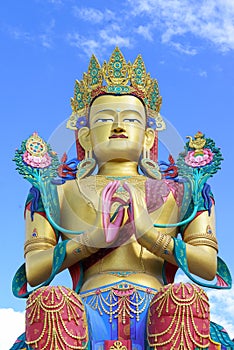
column 118, row 129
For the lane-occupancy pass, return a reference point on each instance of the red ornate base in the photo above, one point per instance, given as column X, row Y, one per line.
column 178, row 318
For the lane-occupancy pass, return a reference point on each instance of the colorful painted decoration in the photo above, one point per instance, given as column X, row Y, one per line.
column 197, row 160
column 35, row 160
column 34, row 233
column 116, row 77
column 200, row 160
column 100, row 226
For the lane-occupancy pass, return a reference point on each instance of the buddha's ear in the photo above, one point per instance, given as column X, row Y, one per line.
column 149, row 138
column 84, row 138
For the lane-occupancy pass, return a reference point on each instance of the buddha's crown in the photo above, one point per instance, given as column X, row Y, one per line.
column 117, row 77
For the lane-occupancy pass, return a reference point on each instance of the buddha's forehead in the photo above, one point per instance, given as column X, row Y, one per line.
column 126, row 102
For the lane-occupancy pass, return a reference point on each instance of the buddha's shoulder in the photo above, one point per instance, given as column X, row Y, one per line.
column 68, row 189
column 66, row 186
column 70, row 184
column 79, row 187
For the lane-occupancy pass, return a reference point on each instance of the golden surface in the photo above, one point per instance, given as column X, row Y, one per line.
column 81, row 208
column 117, row 132
column 118, row 345
column 198, row 142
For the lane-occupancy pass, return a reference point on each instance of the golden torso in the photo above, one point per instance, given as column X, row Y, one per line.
column 79, row 202
column 117, row 138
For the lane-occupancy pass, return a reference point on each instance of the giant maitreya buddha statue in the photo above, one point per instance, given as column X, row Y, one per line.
column 122, row 223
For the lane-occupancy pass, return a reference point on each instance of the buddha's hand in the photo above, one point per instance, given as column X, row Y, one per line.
column 103, row 231
column 138, row 213
column 112, row 222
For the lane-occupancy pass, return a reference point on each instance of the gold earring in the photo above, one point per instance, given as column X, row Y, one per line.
column 87, row 165
column 148, row 166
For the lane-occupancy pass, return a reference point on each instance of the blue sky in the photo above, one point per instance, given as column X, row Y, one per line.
column 45, row 45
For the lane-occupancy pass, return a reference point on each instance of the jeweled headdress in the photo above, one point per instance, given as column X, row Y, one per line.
column 116, row 77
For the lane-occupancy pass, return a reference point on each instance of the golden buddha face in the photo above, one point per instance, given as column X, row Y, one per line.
column 117, row 129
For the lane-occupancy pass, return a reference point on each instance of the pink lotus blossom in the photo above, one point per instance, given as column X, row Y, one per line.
column 199, row 160
column 37, row 162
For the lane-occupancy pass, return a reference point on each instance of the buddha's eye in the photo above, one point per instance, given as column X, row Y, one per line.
column 132, row 120
column 103, row 120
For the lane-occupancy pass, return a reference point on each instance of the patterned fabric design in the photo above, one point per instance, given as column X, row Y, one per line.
column 157, row 192
column 117, row 312
column 179, row 318
column 55, row 319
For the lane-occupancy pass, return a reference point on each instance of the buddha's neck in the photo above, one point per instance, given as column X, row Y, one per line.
column 119, row 168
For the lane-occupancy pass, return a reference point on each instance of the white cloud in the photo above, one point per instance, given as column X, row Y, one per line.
column 212, row 20
column 139, row 7
column 19, row 34
column 56, row 2
column 12, row 325
column 145, row 31
column 185, row 25
column 203, row 74
column 45, row 38
column 103, row 40
column 177, row 22
column 88, row 14
column 183, row 49
column 45, row 41
column 93, row 15
column 222, row 308
column 110, row 39
column 108, row 33
column 89, row 46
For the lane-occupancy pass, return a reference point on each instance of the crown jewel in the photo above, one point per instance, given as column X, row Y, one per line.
column 116, row 77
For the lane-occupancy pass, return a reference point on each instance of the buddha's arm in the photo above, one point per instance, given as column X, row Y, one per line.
column 39, row 248
column 201, row 247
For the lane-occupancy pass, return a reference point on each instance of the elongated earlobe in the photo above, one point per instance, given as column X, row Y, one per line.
column 148, row 166
column 149, row 138
column 85, row 140
column 88, row 165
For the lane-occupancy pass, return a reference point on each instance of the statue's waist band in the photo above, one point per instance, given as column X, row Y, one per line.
column 117, row 299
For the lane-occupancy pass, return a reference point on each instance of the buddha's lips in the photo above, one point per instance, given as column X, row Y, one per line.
column 116, row 136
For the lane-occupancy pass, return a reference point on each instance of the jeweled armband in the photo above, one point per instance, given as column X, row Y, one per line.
column 161, row 244
column 207, row 239
column 38, row 243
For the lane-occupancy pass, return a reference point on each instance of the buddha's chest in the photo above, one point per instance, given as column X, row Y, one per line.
column 82, row 201
column 85, row 198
